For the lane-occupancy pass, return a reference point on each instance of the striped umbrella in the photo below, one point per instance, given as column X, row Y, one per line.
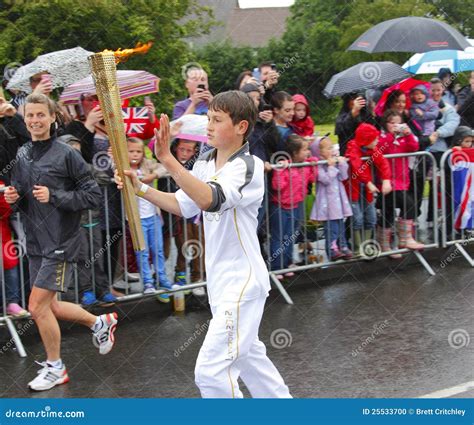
column 131, row 84
column 432, row 62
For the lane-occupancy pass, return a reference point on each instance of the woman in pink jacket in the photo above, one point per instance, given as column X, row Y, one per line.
column 397, row 138
column 289, row 190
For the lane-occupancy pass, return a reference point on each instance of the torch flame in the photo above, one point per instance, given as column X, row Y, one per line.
column 121, row 55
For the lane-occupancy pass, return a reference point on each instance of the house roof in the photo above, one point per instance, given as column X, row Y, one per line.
column 252, row 27
column 255, row 27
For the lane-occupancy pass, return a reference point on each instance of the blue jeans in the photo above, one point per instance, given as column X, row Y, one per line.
column 284, row 229
column 153, row 235
column 12, row 285
column 335, row 235
column 364, row 215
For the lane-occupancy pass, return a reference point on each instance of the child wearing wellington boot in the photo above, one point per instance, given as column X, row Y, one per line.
column 397, row 138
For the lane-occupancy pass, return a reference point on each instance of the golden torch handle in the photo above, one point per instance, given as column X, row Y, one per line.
column 104, row 72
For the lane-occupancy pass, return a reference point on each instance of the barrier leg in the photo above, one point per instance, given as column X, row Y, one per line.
column 425, row 264
column 15, row 337
column 281, row 289
column 464, row 253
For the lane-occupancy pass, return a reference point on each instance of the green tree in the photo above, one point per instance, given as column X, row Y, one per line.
column 457, row 13
column 31, row 28
column 224, row 62
column 318, row 34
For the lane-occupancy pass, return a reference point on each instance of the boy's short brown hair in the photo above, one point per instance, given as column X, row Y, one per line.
column 238, row 105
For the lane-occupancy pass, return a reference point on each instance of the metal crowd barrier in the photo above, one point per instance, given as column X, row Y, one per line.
column 449, row 234
column 420, row 165
column 309, row 235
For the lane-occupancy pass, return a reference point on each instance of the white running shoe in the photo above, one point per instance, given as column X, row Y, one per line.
column 104, row 337
column 48, row 377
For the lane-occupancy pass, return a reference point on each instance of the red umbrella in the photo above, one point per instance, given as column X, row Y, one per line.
column 405, row 86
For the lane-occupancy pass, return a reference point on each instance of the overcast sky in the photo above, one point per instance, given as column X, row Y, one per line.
column 246, row 4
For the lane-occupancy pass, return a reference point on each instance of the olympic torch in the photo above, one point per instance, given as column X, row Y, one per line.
column 104, row 72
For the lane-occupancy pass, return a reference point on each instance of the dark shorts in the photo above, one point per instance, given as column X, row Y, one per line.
column 49, row 273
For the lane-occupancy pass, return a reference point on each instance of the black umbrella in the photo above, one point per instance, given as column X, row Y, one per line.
column 410, row 34
column 365, row 75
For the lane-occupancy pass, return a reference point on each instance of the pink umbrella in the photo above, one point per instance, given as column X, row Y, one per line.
column 405, row 86
column 131, row 84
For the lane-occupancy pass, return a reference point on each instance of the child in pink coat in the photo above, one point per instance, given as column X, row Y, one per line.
column 289, row 191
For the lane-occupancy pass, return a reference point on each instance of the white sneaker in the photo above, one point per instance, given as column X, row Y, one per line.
column 104, row 337
column 199, row 292
column 48, row 377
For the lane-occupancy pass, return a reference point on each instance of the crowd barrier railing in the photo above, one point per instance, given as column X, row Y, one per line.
column 314, row 254
column 452, row 233
column 303, row 242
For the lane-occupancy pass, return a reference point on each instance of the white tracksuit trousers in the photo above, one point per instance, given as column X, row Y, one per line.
column 232, row 349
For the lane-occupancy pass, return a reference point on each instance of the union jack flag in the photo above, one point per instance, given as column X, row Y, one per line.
column 135, row 120
column 463, row 184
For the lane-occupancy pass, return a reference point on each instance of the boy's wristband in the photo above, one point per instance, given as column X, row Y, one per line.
column 143, row 188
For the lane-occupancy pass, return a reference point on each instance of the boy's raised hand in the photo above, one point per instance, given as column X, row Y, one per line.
column 164, row 135
column 163, row 138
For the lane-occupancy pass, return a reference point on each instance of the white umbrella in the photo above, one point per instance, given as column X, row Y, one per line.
column 64, row 66
column 432, row 62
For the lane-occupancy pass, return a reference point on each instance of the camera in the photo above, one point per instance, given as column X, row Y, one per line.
column 273, row 66
column 202, row 87
column 265, row 107
column 256, row 75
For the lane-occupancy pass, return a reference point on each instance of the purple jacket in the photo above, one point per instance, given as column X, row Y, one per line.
column 430, row 110
column 181, row 106
column 332, row 202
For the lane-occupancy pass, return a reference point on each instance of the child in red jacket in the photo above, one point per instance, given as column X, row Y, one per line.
column 398, row 138
column 10, row 261
column 361, row 184
column 302, row 123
